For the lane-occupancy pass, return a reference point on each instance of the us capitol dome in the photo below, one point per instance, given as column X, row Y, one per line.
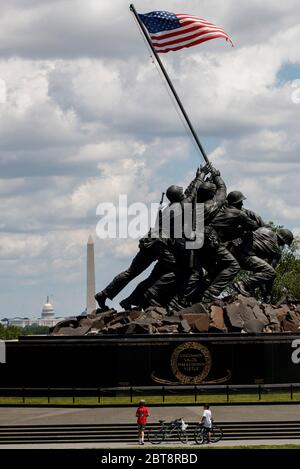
column 48, row 310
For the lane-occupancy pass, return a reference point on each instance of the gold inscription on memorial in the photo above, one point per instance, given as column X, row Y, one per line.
column 191, row 362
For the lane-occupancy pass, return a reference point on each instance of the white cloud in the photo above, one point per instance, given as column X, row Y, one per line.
column 20, row 246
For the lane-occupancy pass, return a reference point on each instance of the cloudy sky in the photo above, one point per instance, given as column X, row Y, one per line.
column 84, row 117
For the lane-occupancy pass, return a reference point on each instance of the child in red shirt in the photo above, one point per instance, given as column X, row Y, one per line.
column 142, row 413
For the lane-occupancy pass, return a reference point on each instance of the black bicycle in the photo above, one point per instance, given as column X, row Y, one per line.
column 168, row 429
column 201, row 434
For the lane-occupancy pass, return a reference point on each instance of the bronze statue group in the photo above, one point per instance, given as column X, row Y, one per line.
column 235, row 238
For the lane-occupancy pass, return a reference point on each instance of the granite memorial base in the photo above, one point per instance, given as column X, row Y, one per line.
column 187, row 359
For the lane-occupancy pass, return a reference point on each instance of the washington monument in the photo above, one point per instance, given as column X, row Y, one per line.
column 90, row 277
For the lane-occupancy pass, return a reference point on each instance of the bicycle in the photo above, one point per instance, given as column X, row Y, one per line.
column 201, row 434
column 178, row 427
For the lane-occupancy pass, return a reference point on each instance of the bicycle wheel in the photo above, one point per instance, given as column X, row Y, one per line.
column 216, row 434
column 183, row 436
column 156, row 436
column 199, row 435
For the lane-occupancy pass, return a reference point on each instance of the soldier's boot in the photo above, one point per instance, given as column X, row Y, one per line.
column 102, row 310
column 100, row 297
column 126, row 304
column 175, row 304
column 208, row 297
column 240, row 288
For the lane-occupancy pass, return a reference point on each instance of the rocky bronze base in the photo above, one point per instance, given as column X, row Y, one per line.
column 235, row 314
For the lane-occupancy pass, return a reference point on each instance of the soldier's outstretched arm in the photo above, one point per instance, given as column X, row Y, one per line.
column 191, row 191
column 221, row 193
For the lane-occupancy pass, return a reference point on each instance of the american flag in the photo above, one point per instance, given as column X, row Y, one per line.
column 170, row 31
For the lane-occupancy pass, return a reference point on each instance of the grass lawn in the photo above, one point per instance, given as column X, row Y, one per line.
column 169, row 399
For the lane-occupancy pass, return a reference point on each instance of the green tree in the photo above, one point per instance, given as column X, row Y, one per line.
column 13, row 332
column 35, row 329
column 287, row 282
column 10, row 332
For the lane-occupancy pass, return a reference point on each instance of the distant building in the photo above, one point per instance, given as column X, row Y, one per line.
column 19, row 322
column 47, row 318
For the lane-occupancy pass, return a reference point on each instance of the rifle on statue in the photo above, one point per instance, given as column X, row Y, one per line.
column 160, row 213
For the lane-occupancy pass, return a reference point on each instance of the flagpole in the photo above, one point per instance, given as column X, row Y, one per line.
column 144, row 30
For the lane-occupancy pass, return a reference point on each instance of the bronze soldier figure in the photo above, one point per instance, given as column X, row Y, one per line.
column 233, row 221
column 212, row 194
column 152, row 247
column 259, row 254
column 160, row 285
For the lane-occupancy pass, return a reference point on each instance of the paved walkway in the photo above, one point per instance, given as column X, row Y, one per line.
column 148, row 446
column 60, row 416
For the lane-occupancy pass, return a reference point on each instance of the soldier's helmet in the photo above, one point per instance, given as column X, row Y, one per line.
column 285, row 235
column 235, row 197
column 175, row 193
